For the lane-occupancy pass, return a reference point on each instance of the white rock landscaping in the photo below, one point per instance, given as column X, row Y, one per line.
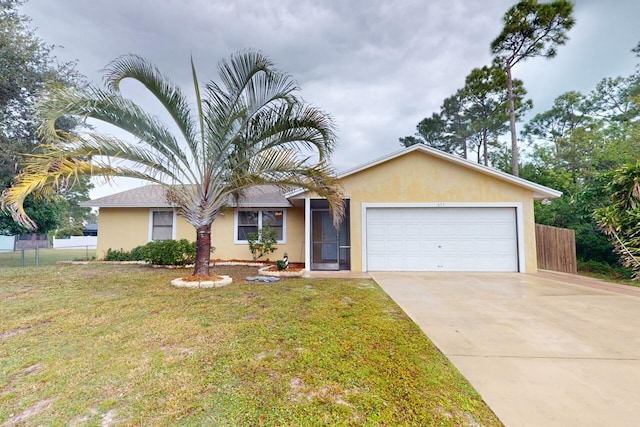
column 224, row 281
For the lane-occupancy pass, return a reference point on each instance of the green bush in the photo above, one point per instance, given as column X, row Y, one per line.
column 65, row 232
column 161, row 252
column 280, row 265
column 169, row 252
column 137, row 253
column 118, row 255
column 261, row 243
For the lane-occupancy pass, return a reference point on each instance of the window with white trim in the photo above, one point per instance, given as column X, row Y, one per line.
column 250, row 221
column 161, row 225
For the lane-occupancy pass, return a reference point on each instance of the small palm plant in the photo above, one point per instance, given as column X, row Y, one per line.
column 249, row 129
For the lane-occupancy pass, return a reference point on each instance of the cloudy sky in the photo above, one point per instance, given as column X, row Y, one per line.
column 377, row 66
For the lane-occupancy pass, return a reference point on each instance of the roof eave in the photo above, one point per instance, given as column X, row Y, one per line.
column 261, row 205
column 542, row 195
column 124, row 205
column 129, row 205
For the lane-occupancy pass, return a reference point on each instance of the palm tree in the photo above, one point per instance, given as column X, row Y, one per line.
column 620, row 219
column 251, row 129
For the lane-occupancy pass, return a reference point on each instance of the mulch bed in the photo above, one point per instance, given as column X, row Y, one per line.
column 293, row 267
column 238, row 273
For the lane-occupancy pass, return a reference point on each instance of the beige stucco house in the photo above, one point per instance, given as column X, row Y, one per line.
column 417, row 209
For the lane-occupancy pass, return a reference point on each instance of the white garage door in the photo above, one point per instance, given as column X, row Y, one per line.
column 441, row 239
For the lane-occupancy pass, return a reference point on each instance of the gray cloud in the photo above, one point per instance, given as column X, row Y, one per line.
column 378, row 67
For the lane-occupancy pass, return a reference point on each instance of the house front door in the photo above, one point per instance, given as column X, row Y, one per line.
column 330, row 248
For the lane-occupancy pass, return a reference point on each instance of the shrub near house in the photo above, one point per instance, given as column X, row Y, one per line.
column 261, row 242
column 162, row 252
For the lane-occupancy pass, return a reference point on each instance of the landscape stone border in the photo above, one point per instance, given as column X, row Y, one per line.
column 224, row 281
column 264, row 271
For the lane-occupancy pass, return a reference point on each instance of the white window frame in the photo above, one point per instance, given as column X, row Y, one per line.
column 246, row 242
column 173, row 225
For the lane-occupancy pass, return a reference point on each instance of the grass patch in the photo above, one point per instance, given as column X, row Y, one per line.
column 110, row 344
column 609, row 273
column 45, row 256
column 613, row 278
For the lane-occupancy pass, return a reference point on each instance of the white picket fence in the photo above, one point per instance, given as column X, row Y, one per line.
column 76, row 242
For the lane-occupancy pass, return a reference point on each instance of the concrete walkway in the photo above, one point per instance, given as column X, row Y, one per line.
column 541, row 351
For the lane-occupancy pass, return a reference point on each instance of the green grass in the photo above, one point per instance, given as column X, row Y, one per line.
column 45, row 256
column 606, row 272
column 117, row 345
column 610, row 277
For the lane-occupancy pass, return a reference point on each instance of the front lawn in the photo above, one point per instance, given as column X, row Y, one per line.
column 116, row 345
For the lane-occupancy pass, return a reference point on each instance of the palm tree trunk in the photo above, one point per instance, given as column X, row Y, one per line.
column 203, row 250
column 512, row 123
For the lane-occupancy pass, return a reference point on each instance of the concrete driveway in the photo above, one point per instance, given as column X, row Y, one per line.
column 540, row 351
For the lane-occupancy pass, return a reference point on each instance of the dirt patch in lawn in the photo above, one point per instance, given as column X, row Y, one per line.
column 28, row 413
column 13, row 332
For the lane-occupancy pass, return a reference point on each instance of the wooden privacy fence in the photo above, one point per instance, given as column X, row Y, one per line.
column 556, row 248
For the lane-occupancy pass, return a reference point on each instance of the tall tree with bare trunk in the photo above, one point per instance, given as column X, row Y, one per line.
column 531, row 29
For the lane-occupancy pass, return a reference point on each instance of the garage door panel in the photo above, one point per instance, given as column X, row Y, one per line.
column 441, row 239
column 429, row 230
column 394, row 246
column 482, row 230
column 394, row 229
column 376, row 229
column 416, row 264
column 412, row 229
column 477, row 246
column 376, row 247
column 379, row 260
column 476, row 263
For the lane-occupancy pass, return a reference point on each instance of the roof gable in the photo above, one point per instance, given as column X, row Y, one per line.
column 539, row 191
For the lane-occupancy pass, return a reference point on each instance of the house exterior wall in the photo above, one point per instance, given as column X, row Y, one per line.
column 420, row 178
column 126, row 228
column 414, row 177
column 121, row 228
column 222, row 238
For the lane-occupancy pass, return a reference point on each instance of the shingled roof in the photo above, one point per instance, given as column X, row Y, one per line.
column 153, row 196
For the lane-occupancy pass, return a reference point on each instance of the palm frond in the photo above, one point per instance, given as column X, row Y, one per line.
column 251, row 84
column 287, row 169
column 163, row 89
column 46, row 174
column 297, row 125
column 116, row 111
